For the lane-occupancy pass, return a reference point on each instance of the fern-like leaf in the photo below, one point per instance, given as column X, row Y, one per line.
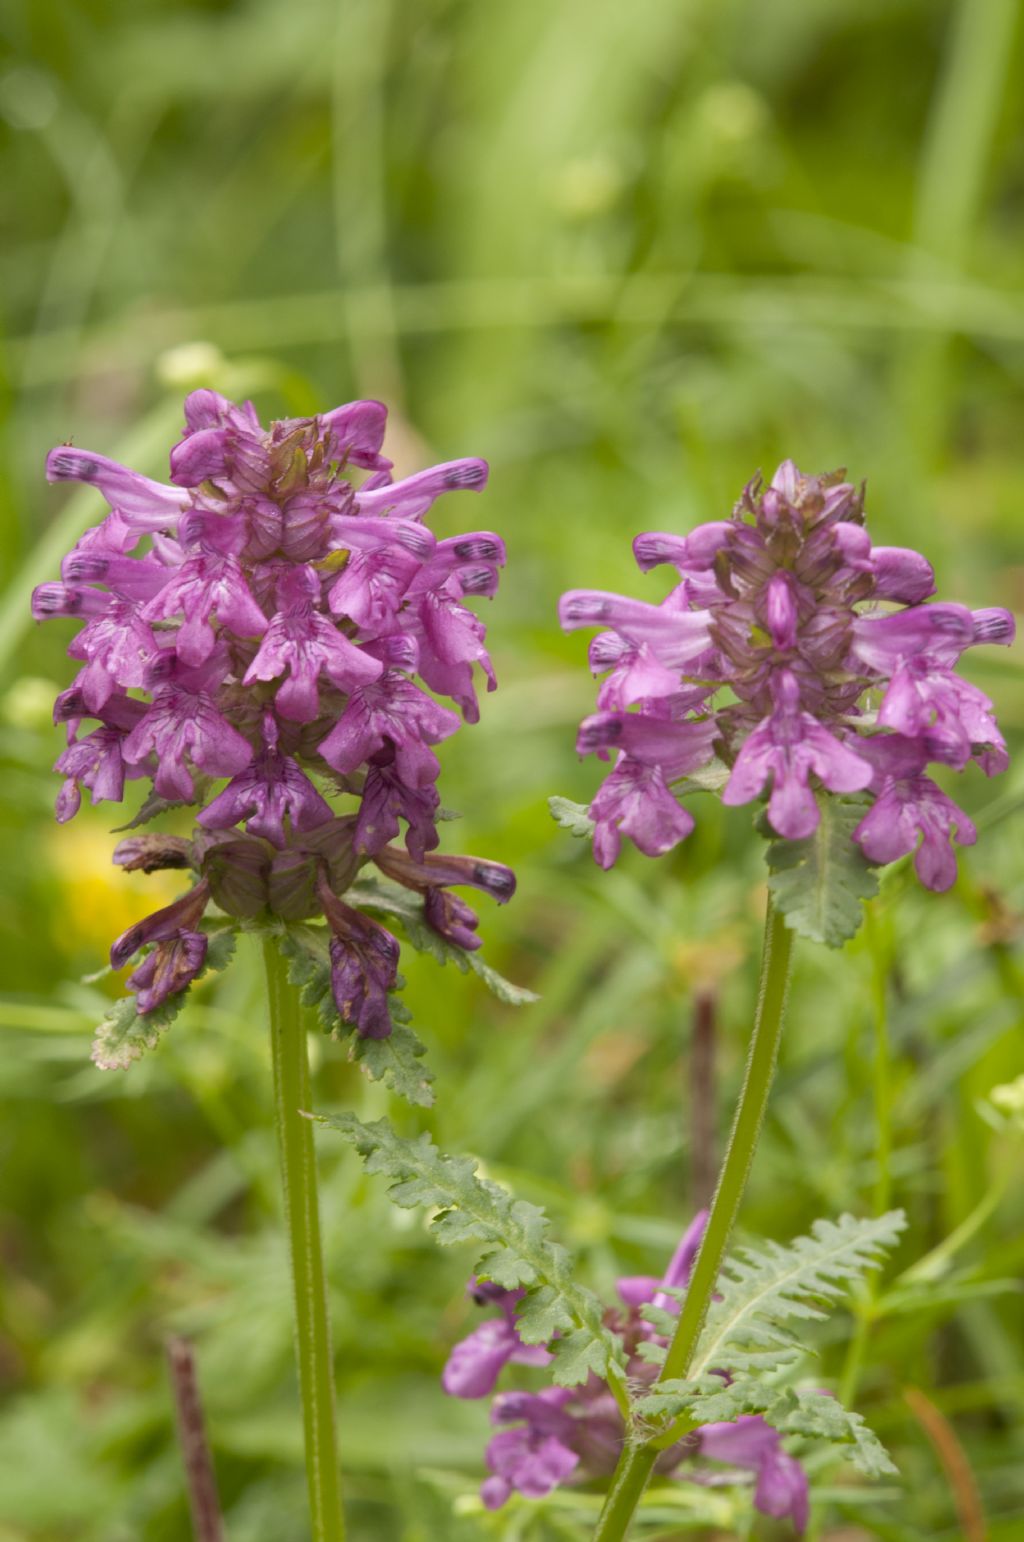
column 512, row 1245
column 749, row 1339
column 761, row 1289
column 815, row 1414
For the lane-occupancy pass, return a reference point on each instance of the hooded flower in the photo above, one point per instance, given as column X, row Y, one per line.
column 255, row 637
column 779, row 651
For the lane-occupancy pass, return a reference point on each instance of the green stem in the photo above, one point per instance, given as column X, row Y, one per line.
column 638, row 1459
column 302, row 1212
column 881, row 1082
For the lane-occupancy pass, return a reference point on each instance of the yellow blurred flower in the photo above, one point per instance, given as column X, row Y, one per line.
column 98, row 900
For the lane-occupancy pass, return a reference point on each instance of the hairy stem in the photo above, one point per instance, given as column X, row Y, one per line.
column 638, row 1459
column 302, row 1213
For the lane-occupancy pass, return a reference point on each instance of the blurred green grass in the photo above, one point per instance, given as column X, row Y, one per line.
column 630, row 255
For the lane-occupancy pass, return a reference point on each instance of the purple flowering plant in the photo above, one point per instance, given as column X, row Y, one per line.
column 265, row 634
column 796, row 666
column 264, row 639
column 793, row 664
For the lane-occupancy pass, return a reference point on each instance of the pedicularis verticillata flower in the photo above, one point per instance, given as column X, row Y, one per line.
column 838, row 676
column 565, row 1434
column 264, row 619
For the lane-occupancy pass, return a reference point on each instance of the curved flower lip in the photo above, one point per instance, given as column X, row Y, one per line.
column 938, row 632
column 180, row 723
column 653, row 741
column 201, row 588
column 263, row 795
column 493, row 878
column 415, row 495
column 912, row 814
column 182, row 915
column 787, row 747
column 151, row 504
column 355, row 432
column 635, row 801
column 367, row 532
column 902, row 574
column 391, row 711
column 696, row 551
column 675, row 637
column 305, row 645
column 56, row 599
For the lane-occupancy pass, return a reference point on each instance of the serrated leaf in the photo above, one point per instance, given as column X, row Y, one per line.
column 578, row 1355
column 574, row 817
column 510, row 1237
column 819, row 883
column 396, row 1060
column 306, row 949
column 511, row 995
column 822, row 1417
column 708, row 1400
column 407, row 909
column 816, row 1415
column 760, row 1289
column 125, row 1034
column 152, row 807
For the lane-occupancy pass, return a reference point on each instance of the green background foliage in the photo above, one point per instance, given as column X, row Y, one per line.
column 630, row 254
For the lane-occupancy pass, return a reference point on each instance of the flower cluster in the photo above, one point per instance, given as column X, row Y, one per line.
column 563, row 1433
column 263, row 619
column 838, row 676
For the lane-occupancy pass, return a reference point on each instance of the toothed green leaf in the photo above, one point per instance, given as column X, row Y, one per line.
column 406, row 908
column 819, row 883
column 816, row 1415
column 573, row 817
column 510, row 1238
column 125, row 1034
column 396, row 1060
column 760, row 1289
column 821, row 1417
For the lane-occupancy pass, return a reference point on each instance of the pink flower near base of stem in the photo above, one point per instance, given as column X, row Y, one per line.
column 563, row 1434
